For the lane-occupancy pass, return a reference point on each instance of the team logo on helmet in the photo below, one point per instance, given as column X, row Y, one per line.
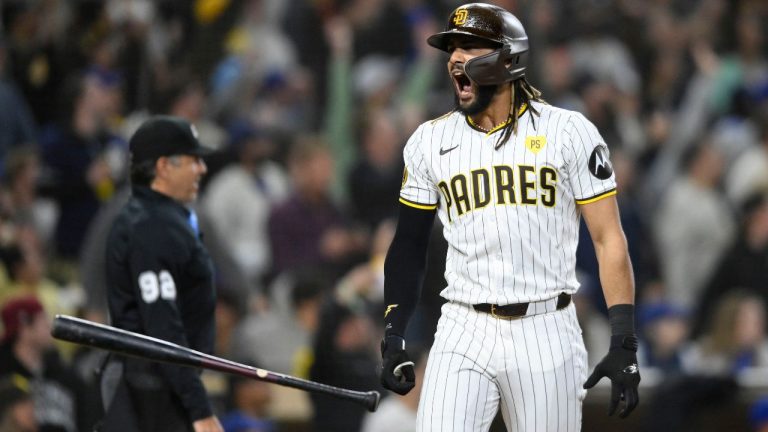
column 599, row 164
column 461, row 17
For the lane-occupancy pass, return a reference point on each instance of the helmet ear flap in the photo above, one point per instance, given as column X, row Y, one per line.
column 518, row 65
column 497, row 67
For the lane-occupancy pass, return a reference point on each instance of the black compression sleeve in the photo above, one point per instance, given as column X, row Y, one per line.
column 622, row 319
column 404, row 267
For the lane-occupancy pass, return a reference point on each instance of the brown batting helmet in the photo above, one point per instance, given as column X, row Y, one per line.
column 495, row 26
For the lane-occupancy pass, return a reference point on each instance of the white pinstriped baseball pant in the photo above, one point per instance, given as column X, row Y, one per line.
column 531, row 368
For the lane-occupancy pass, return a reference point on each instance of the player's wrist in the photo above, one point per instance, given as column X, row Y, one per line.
column 622, row 319
column 395, row 323
column 627, row 342
column 392, row 343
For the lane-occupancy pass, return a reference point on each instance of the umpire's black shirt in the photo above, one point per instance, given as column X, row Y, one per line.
column 160, row 283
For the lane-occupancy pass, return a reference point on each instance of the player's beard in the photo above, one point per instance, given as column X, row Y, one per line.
column 481, row 101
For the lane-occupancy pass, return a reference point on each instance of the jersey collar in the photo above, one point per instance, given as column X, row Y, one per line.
column 148, row 194
column 473, row 125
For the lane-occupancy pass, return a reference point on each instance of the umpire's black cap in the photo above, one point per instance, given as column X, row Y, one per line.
column 165, row 136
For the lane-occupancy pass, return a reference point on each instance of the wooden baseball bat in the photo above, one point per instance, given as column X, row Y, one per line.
column 96, row 335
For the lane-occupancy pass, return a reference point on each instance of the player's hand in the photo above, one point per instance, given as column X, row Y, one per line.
column 208, row 424
column 397, row 372
column 620, row 366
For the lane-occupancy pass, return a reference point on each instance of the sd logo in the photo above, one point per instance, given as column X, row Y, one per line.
column 461, row 17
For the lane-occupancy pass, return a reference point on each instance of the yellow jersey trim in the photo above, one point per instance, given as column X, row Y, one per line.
column 417, row 205
column 435, row 120
column 598, row 197
column 523, row 109
column 498, row 127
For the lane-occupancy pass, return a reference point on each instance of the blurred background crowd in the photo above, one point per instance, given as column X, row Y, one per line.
column 309, row 103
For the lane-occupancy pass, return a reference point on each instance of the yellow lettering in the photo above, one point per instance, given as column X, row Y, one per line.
column 447, row 197
column 460, row 194
column 522, row 184
column 505, row 187
column 481, row 187
column 527, row 194
column 548, row 179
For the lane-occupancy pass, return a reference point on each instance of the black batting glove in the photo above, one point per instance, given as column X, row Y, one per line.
column 397, row 372
column 620, row 366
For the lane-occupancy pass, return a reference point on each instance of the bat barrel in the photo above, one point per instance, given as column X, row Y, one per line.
column 368, row 399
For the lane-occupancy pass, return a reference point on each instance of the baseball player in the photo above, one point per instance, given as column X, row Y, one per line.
column 509, row 177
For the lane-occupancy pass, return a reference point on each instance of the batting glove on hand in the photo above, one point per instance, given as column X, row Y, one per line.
column 397, row 372
column 620, row 366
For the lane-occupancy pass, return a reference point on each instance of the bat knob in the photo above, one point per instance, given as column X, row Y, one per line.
column 372, row 400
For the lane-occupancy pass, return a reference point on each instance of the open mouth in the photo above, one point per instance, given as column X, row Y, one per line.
column 462, row 83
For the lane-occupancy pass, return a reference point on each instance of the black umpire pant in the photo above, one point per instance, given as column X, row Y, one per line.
column 136, row 399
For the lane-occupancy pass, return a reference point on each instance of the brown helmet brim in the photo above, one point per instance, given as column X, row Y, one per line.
column 442, row 40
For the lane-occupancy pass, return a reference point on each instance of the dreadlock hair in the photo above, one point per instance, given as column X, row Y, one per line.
column 523, row 93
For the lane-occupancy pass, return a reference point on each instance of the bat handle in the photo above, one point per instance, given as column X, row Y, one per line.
column 371, row 400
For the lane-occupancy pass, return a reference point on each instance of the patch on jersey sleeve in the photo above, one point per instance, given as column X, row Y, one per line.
column 405, row 177
column 599, row 164
column 535, row 143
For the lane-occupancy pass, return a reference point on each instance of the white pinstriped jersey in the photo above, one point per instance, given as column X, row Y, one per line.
column 509, row 215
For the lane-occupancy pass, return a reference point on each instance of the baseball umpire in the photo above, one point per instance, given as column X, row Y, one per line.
column 510, row 177
column 160, row 283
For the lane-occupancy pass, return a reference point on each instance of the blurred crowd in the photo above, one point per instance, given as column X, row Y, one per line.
column 309, row 104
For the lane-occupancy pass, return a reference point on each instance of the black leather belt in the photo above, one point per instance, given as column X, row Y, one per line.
column 516, row 310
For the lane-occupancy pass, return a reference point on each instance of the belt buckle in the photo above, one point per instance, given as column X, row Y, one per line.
column 503, row 317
